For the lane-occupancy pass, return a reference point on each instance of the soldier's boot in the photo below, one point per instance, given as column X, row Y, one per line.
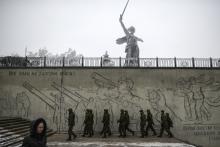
column 69, row 139
column 161, row 132
column 120, row 132
column 104, row 136
column 124, row 133
column 84, row 134
column 90, row 133
column 155, row 133
column 170, row 134
column 74, row 135
column 132, row 133
column 146, row 133
column 101, row 132
column 142, row 134
column 120, row 135
column 109, row 133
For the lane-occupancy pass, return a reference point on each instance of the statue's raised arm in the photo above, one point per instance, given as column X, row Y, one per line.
column 123, row 26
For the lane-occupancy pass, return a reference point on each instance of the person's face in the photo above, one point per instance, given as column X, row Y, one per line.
column 40, row 128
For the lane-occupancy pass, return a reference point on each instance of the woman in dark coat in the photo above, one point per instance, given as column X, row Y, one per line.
column 37, row 137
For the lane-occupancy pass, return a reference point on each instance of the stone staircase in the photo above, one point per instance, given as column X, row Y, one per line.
column 14, row 129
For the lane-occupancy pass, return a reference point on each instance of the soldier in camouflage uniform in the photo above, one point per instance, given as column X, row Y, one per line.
column 142, row 123
column 166, row 123
column 169, row 125
column 86, row 123
column 121, row 122
column 106, row 124
column 91, row 123
column 71, row 123
column 127, row 122
column 150, row 123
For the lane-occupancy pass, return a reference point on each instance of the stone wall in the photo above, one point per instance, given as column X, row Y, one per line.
column 190, row 96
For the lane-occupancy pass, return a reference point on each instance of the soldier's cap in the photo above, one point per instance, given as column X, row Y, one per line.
column 141, row 111
column 162, row 111
column 105, row 109
column 122, row 110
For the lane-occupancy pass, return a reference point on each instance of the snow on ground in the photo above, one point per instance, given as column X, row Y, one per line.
column 116, row 144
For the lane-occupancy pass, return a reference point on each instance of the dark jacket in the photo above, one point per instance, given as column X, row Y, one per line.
column 34, row 139
column 143, row 119
column 150, row 118
column 71, row 119
column 169, row 122
column 127, row 118
column 106, row 119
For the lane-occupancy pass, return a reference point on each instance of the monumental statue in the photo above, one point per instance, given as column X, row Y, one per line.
column 132, row 49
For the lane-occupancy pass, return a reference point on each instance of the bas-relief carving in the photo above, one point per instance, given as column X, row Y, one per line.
column 199, row 94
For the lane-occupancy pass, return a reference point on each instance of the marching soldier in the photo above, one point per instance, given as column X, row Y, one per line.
column 71, row 123
column 90, row 123
column 169, row 125
column 165, row 124
column 162, row 122
column 150, row 123
column 142, row 123
column 121, row 122
column 86, row 123
column 127, row 122
column 106, row 124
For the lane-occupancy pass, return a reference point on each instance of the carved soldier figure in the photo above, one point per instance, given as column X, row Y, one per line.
column 150, row 123
column 106, row 124
column 71, row 123
column 127, row 122
column 142, row 123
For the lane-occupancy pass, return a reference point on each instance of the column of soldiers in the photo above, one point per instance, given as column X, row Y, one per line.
column 124, row 121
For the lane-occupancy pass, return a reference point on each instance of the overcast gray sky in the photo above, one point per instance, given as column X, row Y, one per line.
column 181, row 28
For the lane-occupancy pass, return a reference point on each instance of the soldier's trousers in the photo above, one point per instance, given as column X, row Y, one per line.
column 128, row 129
column 150, row 126
column 70, row 132
column 142, row 127
column 90, row 130
column 167, row 129
column 106, row 130
column 122, row 130
column 86, row 129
